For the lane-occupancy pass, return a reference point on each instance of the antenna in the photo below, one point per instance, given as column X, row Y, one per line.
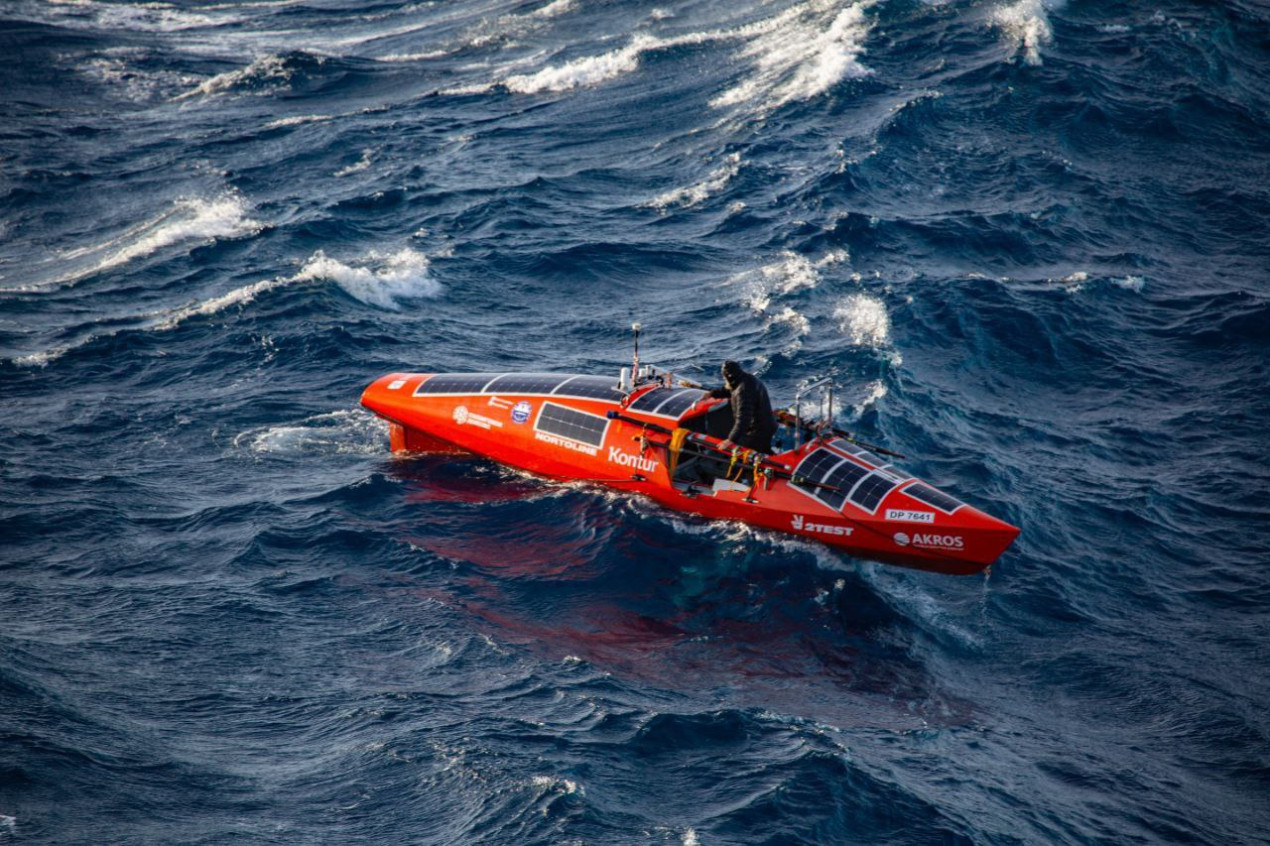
column 636, row 326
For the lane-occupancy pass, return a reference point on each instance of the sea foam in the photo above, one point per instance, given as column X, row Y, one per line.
column 198, row 220
column 1026, row 26
column 800, row 53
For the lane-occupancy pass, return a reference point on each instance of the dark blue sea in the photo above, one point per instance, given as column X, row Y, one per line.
column 1030, row 239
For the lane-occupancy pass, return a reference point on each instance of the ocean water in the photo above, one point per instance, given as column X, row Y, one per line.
column 1030, row 239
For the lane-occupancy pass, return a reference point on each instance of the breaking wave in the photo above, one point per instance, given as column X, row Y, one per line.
column 796, row 56
column 377, row 280
column 1026, row 26
column 863, row 319
column 350, row 432
column 194, row 219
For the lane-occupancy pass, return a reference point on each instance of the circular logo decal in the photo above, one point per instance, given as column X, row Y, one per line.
column 901, row 539
column 460, row 415
column 521, row 411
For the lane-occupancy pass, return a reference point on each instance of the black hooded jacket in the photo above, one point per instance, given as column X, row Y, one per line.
column 753, row 424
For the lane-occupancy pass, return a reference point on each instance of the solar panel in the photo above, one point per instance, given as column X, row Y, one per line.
column 680, row 402
column 932, row 497
column 590, row 387
column 526, row 383
column 873, row 489
column 843, row 477
column 652, row 399
column 817, row 465
column 455, row 383
column 857, row 451
column 574, row 425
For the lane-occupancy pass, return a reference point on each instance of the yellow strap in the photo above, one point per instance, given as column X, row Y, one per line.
column 677, row 439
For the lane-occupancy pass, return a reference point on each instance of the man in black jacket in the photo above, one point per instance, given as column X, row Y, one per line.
column 753, row 422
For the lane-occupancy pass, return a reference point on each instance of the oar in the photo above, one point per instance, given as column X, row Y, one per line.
column 789, row 420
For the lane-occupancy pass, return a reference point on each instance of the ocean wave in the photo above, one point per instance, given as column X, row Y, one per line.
column 296, row 120
column 190, row 219
column 361, row 164
column 701, row 191
column 347, row 432
column 381, row 280
column 587, row 71
column 1026, row 26
column 264, row 76
column 127, row 17
column 762, row 286
column 864, row 320
column 797, row 55
column 376, row 279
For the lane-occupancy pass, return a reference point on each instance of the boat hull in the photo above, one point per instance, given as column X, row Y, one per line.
column 571, row 433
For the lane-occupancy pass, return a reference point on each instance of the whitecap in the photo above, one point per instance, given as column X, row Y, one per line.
column 360, row 165
column 271, row 70
column 388, row 279
column 346, row 432
column 582, row 72
column 554, row 9
column 708, row 187
column 296, row 120
column 1027, row 26
column 194, row 219
column 791, row 273
column 377, row 279
column 863, row 319
column 796, row 56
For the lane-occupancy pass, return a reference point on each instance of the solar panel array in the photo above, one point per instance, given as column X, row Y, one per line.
column 455, row 383
column 590, row 387
column 827, row 468
column 668, row 402
column 932, row 497
column 574, row 425
column 652, row 399
column 870, row 492
column 559, row 384
column 526, row 383
column 847, row 479
column 857, row 451
column 680, row 402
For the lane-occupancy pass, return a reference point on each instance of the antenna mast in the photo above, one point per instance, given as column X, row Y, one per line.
column 635, row 361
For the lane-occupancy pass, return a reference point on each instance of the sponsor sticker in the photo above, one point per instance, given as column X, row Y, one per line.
column 910, row 516
column 465, row 417
column 566, row 443
column 929, row 540
column 521, row 411
column 801, row 524
column 396, row 384
column 626, row 459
